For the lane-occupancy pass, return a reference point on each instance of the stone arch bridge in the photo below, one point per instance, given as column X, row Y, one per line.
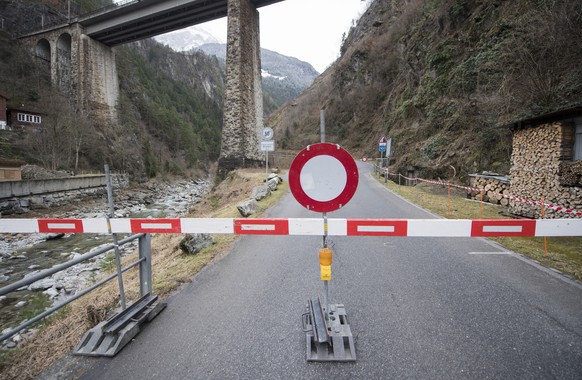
column 80, row 60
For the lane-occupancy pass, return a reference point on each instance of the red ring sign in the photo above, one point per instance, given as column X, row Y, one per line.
column 323, row 177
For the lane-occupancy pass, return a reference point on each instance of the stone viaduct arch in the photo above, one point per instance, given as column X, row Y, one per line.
column 79, row 67
column 84, row 68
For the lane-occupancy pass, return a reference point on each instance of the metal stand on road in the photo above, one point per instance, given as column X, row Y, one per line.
column 328, row 333
column 111, row 335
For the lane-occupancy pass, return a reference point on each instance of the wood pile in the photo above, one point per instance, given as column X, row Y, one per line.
column 570, row 173
column 493, row 186
column 542, row 166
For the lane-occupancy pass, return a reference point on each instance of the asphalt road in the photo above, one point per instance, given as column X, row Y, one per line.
column 422, row 308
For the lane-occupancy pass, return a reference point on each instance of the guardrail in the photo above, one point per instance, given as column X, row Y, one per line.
column 145, row 274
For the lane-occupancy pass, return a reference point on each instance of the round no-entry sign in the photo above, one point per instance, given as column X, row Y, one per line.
column 323, row 177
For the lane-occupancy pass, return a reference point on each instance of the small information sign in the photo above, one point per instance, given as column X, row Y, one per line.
column 268, row 146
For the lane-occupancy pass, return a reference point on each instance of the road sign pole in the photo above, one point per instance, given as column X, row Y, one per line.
column 325, row 282
column 266, row 166
column 322, row 124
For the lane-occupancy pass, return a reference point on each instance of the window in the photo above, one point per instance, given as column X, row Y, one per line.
column 29, row 118
column 578, row 140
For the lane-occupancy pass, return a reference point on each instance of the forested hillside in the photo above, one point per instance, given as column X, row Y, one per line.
column 169, row 111
column 443, row 79
column 176, row 101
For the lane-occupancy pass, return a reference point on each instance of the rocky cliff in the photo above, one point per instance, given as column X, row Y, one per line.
column 442, row 79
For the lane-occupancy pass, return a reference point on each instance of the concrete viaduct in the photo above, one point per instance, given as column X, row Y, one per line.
column 80, row 60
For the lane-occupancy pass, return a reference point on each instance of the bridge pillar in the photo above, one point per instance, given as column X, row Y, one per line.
column 243, row 100
column 79, row 67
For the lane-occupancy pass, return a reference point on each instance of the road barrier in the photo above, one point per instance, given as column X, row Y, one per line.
column 302, row 226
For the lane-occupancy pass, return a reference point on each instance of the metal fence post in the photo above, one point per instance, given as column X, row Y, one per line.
column 145, row 266
column 115, row 242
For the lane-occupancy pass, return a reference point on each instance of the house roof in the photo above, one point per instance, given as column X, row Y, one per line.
column 550, row 117
column 26, row 111
column 11, row 163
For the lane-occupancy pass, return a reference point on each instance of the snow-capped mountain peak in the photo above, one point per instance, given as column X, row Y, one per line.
column 187, row 39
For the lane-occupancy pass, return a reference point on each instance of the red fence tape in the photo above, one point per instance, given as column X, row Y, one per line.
column 508, row 196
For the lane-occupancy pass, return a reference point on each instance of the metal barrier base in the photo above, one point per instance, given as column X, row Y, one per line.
column 339, row 346
column 111, row 335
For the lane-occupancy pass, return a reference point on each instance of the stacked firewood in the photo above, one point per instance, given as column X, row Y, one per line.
column 542, row 168
column 491, row 189
column 570, row 173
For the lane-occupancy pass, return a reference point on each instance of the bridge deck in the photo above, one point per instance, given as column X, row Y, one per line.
column 148, row 18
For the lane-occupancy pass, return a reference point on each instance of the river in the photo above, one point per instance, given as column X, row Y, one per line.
column 24, row 254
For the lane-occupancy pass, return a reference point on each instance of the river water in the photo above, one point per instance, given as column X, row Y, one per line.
column 25, row 254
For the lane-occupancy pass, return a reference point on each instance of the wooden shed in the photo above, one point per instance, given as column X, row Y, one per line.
column 21, row 118
column 10, row 170
column 546, row 161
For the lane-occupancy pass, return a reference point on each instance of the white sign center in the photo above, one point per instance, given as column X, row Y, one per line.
column 323, row 178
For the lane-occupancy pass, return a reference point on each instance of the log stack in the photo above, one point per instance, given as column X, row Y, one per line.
column 542, row 166
column 493, row 185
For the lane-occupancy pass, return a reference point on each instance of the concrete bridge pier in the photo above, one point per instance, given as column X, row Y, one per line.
column 243, row 101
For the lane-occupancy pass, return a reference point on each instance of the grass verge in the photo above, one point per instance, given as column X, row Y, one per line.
column 562, row 253
column 171, row 269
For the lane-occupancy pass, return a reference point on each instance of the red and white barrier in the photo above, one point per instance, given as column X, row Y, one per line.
column 303, row 226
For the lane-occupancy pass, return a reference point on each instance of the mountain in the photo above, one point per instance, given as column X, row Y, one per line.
column 284, row 78
column 442, row 79
column 187, row 39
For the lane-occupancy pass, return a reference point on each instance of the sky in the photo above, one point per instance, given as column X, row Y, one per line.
column 310, row 30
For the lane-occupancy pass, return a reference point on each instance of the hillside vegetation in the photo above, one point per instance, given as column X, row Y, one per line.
column 169, row 111
column 443, row 79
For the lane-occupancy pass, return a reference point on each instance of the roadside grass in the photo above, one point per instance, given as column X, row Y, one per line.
column 563, row 253
column 171, row 270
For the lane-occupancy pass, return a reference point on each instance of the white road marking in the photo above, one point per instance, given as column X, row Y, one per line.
column 491, row 253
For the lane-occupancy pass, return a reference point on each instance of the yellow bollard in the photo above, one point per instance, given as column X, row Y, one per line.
column 325, row 259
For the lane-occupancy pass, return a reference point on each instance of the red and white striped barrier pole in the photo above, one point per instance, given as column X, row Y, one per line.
column 303, row 226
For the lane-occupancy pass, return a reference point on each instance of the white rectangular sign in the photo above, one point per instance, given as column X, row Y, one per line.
column 268, row 146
